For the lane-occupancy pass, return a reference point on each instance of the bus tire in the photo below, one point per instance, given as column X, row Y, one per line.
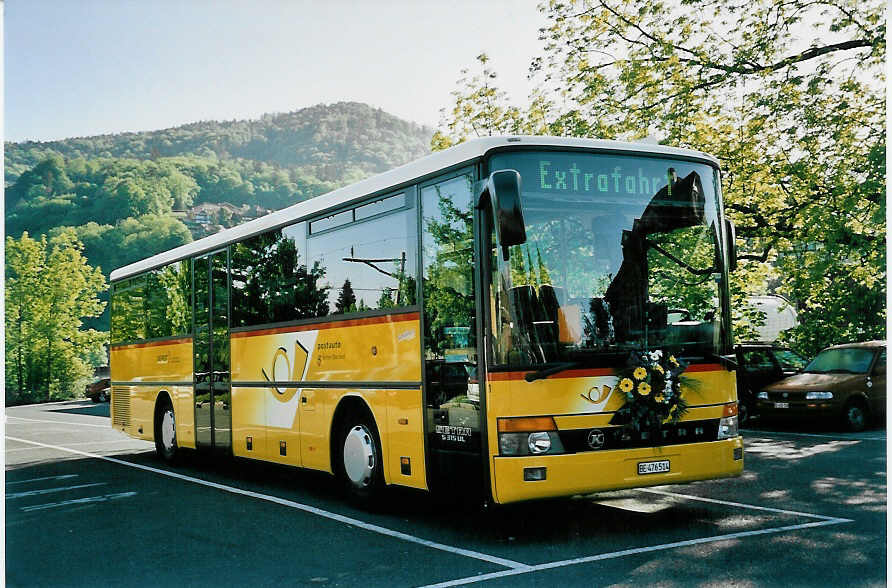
column 360, row 465
column 166, row 431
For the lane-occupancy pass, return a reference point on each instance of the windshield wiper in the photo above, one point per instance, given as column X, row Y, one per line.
column 550, row 371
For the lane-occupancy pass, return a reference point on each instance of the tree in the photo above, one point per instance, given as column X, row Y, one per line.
column 50, row 289
column 346, row 301
column 795, row 113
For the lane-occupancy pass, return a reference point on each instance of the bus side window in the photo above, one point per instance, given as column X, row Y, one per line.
column 369, row 263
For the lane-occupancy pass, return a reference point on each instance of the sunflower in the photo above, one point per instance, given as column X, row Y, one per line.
column 626, row 385
column 644, row 388
column 640, row 373
column 660, row 398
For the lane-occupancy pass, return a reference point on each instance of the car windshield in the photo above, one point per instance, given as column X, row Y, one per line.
column 847, row 360
column 622, row 253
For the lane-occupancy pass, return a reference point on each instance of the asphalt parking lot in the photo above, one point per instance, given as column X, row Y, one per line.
column 88, row 506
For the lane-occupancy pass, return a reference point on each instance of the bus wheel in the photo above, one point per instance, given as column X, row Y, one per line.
column 360, row 467
column 855, row 416
column 166, row 433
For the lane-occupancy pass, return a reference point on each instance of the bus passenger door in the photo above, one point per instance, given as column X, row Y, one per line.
column 453, row 411
column 213, row 393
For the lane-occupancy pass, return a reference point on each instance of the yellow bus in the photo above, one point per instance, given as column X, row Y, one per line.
column 524, row 316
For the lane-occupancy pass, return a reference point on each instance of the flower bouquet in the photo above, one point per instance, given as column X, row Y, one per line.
column 652, row 385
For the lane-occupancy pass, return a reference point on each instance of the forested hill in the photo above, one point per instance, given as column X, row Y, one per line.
column 330, row 139
column 131, row 195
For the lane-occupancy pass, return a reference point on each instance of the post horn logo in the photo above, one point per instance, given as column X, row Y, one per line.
column 284, row 371
column 598, row 394
column 595, row 439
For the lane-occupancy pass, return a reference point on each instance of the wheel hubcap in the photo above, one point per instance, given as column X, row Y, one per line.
column 856, row 417
column 168, row 430
column 359, row 456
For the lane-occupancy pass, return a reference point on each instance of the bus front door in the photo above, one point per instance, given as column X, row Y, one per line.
column 213, row 392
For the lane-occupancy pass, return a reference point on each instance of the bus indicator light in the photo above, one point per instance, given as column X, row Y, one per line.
column 405, row 466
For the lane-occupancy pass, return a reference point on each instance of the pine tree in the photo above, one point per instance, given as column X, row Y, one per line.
column 346, row 299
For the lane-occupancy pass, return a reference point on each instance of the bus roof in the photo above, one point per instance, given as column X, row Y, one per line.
column 431, row 164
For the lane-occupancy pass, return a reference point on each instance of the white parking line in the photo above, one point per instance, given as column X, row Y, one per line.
column 627, row 552
column 747, row 506
column 91, row 443
column 514, row 568
column 66, row 476
column 296, row 505
column 86, row 500
column 59, row 422
column 50, row 490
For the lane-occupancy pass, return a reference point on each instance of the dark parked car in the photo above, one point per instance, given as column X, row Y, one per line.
column 846, row 382
column 758, row 365
column 99, row 390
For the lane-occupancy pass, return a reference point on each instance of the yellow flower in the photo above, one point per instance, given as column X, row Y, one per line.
column 673, row 361
column 660, row 398
column 644, row 388
column 640, row 373
column 659, row 368
column 626, row 385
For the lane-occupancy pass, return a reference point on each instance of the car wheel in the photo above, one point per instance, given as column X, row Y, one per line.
column 103, row 396
column 359, row 465
column 856, row 416
column 166, row 433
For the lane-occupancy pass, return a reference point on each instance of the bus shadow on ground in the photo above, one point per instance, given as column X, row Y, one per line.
column 548, row 528
column 88, row 408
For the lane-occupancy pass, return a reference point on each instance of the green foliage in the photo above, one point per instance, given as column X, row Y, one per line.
column 346, row 301
column 796, row 114
column 50, row 289
column 120, row 192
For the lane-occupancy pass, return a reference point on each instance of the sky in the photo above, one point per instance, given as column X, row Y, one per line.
column 77, row 68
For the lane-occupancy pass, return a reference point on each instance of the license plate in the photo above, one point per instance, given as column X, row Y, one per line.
column 653, row 467
column 781, row 405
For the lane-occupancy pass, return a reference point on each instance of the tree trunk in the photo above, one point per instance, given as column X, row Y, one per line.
column 18, row 352
column 49, row 368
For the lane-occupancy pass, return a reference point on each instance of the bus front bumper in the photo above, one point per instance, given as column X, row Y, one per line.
column 595, row 471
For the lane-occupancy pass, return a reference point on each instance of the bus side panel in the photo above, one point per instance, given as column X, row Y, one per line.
column 366, row 354
column 133, row 370
column 579, row 400
column 184, row 413
column 248, row 417
column 406, row 438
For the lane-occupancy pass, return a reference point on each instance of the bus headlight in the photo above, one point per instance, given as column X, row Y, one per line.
column 536, row 443
column 763, row 395
column 528, row 436
column 539, row 443
column 819, row 395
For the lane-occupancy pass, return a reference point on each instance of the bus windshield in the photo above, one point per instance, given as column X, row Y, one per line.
column 622, row 253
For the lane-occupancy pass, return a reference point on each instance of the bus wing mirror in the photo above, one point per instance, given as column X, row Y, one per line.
column 731, row 236
column 503, row 191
